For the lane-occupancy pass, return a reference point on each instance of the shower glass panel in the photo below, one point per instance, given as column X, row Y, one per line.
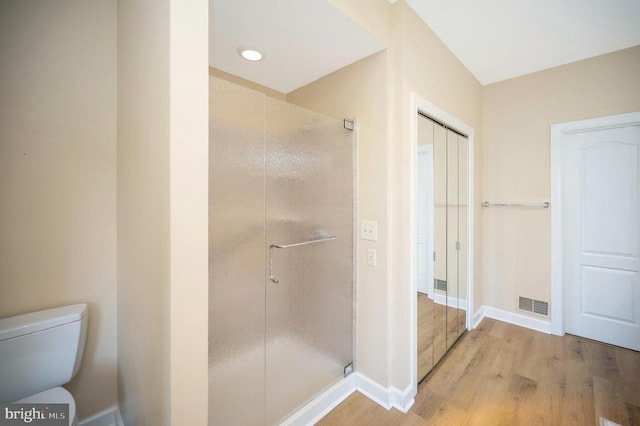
column 281, row 314
column 236, row 255
column 309, row 193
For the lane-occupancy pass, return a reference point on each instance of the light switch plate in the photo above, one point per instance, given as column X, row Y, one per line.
column 371, row 257
column 369, row 230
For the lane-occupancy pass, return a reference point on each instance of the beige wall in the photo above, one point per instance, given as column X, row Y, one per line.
column 214, row 72
column 424, row 65
column 189, row 211
column 377, row 90
column 57, row 173
column 162, row 212
column 518, row 114
column 143, row 212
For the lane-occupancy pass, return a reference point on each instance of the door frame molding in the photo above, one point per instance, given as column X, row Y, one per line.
column 558, row 135
column 419, row 104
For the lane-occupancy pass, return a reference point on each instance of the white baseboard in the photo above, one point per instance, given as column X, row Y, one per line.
column 106, row 417
column 391, row 397
column 478, row 317
column 512, row 318
column 402, row 400
column 119, row 421
column 373, row 390
column 388, row 398
column 318, row 407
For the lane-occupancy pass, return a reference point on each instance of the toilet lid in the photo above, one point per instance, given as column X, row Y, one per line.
column 53, row 396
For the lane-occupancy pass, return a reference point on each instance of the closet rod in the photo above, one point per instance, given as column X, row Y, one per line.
column 544, row 205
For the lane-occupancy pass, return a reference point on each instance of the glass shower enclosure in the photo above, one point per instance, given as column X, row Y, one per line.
column 280, row 255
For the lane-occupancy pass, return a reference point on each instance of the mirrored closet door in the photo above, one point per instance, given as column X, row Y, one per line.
column 442, row 194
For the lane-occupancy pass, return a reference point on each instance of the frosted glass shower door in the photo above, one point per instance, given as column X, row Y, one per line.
column 309, row 301
column 279, row 175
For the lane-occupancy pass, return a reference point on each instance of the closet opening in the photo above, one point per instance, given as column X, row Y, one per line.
column 441, row 234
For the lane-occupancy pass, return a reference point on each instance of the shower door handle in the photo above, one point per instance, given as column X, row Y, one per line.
column 288, row 246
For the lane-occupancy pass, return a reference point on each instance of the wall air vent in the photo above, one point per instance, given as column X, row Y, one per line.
column 532, row 305
column 540, row 307
column 440, row 285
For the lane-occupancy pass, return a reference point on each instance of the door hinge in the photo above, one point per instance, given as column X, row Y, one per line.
column 348, row 369
column 349, row 124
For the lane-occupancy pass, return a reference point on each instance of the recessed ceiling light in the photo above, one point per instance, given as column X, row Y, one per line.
column 250, row 54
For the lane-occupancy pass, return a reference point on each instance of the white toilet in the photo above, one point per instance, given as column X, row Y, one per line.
column 39, row 352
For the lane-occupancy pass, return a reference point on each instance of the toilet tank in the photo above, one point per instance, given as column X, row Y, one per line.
column 40, row 350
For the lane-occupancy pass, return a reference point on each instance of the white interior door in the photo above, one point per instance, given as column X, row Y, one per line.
column 425, row 220
column 602, row 239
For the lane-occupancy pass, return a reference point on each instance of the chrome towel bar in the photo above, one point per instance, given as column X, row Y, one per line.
column 544, row 205
column 287, row 246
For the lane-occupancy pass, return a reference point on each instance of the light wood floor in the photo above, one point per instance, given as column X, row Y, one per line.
column 501, row 374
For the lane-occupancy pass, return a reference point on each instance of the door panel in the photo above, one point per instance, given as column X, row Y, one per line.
column 425, row 220
column 441, row 313
column 463, row 238
column 597, row 286
column 602, row 222
column 609, row 199
column 440, row 238
column 425, row 247
column 309, row 311
column 452, row 237
column 279, row 174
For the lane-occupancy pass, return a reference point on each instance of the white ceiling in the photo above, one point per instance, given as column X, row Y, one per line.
column 501, row 39
column 302, row 40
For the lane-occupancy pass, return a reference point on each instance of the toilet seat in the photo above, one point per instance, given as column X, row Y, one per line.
column 57, row 395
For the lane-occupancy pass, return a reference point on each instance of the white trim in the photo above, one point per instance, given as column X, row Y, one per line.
column 107, row 417
column 119, row 421
column 402, row 400
column 387, row 398
column 373, row 390
column 479, row 316
column 558, row 134
column 607, row 422
column 516, row 319
column 356, row 243
column 419, row 104
column 322, row 404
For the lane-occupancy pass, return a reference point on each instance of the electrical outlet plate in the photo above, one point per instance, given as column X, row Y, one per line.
column 369, row 230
